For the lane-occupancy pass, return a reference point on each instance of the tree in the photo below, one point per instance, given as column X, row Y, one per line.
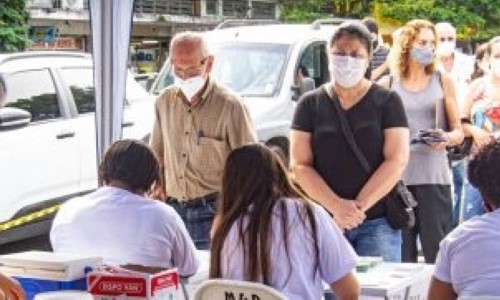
column 13, row 26
column 477, row 19
column 302, row 10
column 309, row 10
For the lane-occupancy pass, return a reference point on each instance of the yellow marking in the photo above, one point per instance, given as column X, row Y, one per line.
column 29, row 218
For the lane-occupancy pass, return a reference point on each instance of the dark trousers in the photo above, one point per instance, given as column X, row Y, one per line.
column 433, row 221
column 198, row 215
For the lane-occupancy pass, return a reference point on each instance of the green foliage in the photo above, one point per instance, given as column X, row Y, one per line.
column 13, row 26
column 478, row 19
column 302, row 10
column 309, row 10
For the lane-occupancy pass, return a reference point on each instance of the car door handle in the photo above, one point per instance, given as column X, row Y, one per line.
column 127, row 124
column 65, row 135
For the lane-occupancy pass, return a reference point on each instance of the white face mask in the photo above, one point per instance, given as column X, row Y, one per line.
column 446, row 48
column 495, row 66
column 191, row 86
column 347, row 71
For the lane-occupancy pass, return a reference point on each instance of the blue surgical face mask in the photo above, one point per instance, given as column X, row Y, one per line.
column 423, row 55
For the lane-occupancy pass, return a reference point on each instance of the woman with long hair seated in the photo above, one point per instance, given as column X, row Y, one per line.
column 266, row 231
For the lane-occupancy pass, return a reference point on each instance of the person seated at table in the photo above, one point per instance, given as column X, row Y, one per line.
column 118, row 223
column 266, row 231
column 468, row 261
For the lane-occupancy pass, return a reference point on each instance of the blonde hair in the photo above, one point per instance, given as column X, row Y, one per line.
column 400, row 59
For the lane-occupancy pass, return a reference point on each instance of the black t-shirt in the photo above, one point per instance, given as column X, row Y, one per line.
column 333, row 159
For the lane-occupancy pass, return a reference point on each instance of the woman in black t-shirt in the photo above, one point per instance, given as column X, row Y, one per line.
column 324, row 164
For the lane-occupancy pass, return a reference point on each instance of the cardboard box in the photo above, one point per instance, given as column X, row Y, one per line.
column 39, row 271
column 113, row 283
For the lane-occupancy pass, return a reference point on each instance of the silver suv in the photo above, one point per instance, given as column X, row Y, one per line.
column 47, row 135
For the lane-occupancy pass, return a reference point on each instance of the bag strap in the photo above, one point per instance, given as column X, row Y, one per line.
column 436, row 125
column 346, row 129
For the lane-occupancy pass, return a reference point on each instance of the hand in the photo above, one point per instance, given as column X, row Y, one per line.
column 481, row 137
column 440, row 145
column 157, row 192
column 9, row 289
column 347, row 214
column 362, row 205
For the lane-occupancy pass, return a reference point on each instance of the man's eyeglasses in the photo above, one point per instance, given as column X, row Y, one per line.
column 449, row 39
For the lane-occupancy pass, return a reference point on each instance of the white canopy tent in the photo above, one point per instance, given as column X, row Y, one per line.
column 111, row 22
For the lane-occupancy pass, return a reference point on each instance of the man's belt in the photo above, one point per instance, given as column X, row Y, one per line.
column 195, row 202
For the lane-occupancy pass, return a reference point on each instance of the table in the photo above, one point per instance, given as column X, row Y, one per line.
column 396, row 281
column 384, row 281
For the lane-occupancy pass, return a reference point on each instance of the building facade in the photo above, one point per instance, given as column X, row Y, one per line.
column 65, row 24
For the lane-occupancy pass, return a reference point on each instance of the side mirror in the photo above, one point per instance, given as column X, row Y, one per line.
column 295, row 92
column 13, row 117
column 150, row 81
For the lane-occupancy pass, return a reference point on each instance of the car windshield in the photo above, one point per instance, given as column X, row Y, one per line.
column 250, row 69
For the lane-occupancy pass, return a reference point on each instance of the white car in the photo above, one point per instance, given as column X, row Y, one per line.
column 47, row 132
column 260, row 63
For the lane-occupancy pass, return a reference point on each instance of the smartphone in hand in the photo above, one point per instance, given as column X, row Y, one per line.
column 428, row 136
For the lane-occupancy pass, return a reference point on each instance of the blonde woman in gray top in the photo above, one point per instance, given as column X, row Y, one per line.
column 429, row 101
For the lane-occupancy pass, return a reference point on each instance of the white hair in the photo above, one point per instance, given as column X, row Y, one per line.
column 396, row 35
column 445, row 26
column 191, row 36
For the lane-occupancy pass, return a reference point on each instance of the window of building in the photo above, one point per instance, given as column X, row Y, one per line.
column 234, row 8
column 263, row 10
column 212, row 7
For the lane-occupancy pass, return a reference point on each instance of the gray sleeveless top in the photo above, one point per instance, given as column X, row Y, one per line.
column 426, row 165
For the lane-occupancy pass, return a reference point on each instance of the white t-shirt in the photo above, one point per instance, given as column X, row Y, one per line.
column 469, row 257
column 303, row 281
column 460, row 73
column 124, row 228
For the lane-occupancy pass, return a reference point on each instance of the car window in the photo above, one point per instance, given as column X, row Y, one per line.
column 81, row 84
column 315, row 59
column 250, row 69
column 35, row 92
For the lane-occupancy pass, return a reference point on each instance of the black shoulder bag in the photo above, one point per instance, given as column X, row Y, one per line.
column 400, row 203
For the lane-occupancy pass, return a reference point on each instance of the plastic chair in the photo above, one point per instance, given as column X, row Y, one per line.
column 223, row 289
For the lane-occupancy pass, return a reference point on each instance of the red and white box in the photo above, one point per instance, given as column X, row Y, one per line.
column 114, row 283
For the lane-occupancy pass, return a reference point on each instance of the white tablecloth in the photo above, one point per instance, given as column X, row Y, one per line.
column 385, row 280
